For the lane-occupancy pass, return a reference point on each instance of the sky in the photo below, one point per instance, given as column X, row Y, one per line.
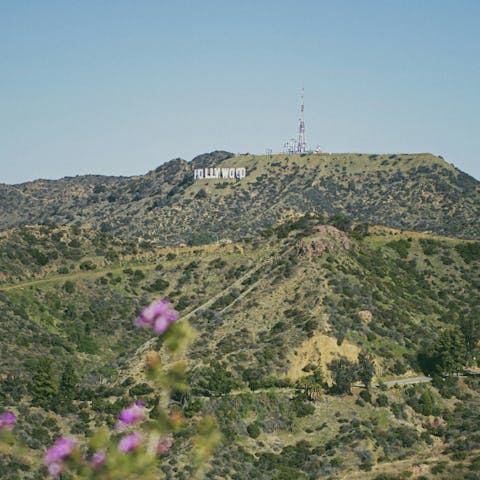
column 119, row 87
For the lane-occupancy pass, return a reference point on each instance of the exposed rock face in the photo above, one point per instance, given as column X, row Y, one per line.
column 329, row 238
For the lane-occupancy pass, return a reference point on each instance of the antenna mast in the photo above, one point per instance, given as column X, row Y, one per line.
column 301, row 143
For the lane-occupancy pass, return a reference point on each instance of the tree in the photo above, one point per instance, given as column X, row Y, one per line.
column 341, row 221
column 312, row 384
column 253, row 430
column 69, row 286
column 68, row 384
column 360, row 231
column 344, row 373
column 451, row 351
column 366, row 368
column 446, row 355
column 311, row 388
column 44, row 386
column 471, row 331
column 217, row 380
column 427, row 403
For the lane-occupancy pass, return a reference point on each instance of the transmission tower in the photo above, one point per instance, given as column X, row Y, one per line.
column 301, row 143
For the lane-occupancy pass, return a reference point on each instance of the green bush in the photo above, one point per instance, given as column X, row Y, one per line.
column 159, row 285
column 87, row 265
column 382, row 400
column 469, row 251
column 253, row 430
column 69, row 286
column 402, row 247
column 140, row 389
column 302, row 408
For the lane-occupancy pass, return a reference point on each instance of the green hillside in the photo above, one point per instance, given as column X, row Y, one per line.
column 282, row 320
column 411, row 191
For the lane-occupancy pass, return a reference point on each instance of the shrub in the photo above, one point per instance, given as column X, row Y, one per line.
column 69, row 286
column 159, row 285
column 140, row 389
column 253, row 430
column 469, row 251
column 401, row 246
column 302, row 408
column 87, row 265
column 382, row 400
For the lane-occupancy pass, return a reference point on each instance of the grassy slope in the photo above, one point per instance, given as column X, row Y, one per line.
column 409, row 299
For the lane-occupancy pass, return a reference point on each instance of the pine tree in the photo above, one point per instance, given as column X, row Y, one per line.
column 366, row 368
column 451, row 352
column 68, row 383
column 470, row 327
column 43, row 386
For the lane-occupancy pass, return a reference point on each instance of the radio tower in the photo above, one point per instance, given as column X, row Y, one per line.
column 301, row 143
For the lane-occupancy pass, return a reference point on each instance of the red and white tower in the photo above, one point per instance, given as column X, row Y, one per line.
column 301, row 142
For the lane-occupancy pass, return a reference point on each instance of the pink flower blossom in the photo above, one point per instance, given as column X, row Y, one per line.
column 161, row 325
column 130, row 442
column 158, row 315
column 98, row 458
column 172, row 316
column 62, row 448
column 133, row 414
column 55, row 469
column 7, row 420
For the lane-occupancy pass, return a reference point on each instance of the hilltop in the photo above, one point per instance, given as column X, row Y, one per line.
column 166, row 206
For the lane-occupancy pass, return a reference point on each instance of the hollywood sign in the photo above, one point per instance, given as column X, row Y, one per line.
column 207, row 173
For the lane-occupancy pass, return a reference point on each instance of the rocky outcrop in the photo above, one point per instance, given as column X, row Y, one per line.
column 328, row 239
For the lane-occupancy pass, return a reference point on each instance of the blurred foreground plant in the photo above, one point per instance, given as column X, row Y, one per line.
column 136, row 447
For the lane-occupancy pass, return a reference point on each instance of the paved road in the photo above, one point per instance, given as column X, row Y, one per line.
column 405, row 381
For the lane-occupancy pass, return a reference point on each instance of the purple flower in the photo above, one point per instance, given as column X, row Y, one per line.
column 7, row 420
column 172, row 316
column 158, row 315
column 133, row 414
column 62, row 448
column 130, row 442
column 55, row 469
column 161, row 325
column 98, row 458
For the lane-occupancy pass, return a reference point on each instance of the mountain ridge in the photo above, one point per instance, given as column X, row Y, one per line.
column 413, row 191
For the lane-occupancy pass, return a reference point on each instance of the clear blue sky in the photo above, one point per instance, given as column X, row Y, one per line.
column 119, row 87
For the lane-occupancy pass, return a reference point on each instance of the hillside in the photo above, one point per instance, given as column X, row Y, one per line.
column 417, row 192
column 272, row 314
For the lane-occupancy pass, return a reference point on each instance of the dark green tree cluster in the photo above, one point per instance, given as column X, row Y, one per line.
column 44, row 386
column 470, row 328
column 345, row 372
column 444, row 356
column 50, row 392
column 217, row 380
